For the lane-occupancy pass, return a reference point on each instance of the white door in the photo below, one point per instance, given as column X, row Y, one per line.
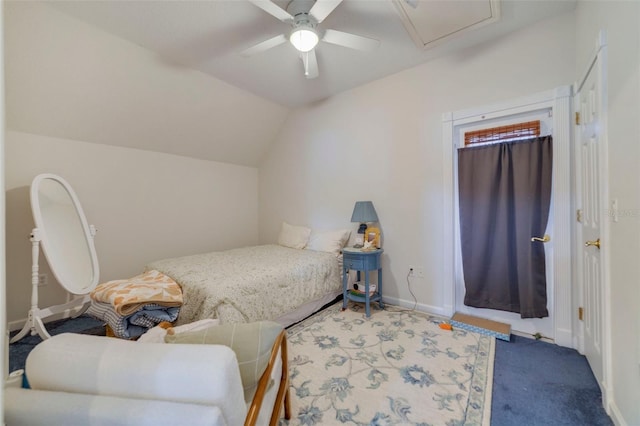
column 591, row 202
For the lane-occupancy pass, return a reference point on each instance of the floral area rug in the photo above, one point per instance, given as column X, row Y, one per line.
column 397, row 367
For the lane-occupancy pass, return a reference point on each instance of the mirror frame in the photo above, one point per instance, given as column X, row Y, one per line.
column 88, row 232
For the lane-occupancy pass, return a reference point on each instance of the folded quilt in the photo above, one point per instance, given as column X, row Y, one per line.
column 135, row 324
column 127, row 296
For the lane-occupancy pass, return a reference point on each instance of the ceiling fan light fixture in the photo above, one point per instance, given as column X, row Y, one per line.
column 304, row 38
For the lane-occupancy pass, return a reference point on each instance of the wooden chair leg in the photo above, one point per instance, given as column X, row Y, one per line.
column 287, row 405
column 283, row 397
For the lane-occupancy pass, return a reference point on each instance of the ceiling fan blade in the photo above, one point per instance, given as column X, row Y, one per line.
column 350, row 40
column 273, row 9
column 322, row 8
column 412, row 3
column 265, row 45
column 310, row 63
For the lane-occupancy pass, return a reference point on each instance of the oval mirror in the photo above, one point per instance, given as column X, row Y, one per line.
column 65, row 236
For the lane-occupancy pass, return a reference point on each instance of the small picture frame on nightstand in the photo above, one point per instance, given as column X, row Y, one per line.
column 373, row 235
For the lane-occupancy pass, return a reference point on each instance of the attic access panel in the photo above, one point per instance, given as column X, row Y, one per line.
column 431, row 22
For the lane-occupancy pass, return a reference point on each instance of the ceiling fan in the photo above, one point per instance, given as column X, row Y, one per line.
column 304, row 17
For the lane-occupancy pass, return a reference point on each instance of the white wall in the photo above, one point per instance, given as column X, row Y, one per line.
column 4, row 353
column 146, row 206
column 620, row 19
column 70, row 80
column 383, row 142
column 71, row 88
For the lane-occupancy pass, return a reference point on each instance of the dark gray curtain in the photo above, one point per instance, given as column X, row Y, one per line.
column 505, row 192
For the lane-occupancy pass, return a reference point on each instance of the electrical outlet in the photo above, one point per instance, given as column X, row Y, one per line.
column 416, row 271
column 42, row 280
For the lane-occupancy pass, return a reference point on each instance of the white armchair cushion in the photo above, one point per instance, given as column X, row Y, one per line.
column 202, row 374
column 30, row 407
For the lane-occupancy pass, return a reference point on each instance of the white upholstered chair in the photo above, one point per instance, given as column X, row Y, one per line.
column 90, row 380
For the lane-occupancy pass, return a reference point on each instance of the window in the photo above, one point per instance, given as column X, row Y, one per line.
column 525, row 130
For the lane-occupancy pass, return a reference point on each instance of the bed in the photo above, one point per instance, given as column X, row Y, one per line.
column 265, row 282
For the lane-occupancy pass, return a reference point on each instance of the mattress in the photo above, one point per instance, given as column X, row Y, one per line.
column 253, row 283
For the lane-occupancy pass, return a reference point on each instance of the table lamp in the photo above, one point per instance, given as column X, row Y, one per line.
column 363, row 212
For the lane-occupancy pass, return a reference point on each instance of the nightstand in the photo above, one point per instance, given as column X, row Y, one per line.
column 361, row 261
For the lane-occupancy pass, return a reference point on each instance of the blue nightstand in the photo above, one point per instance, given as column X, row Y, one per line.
column 361, row 261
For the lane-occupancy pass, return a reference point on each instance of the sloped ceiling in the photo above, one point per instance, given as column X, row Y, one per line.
column 209, row 36
column 167, row 76
column 67, row 79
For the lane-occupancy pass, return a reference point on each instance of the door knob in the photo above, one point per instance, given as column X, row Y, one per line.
column 544, row 239
column 593, row 243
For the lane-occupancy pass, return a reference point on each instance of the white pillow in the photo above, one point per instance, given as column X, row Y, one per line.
column 329, row 241
column 294, row 236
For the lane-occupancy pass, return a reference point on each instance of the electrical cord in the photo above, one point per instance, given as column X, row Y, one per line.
column 415, row 300
column 415, row 304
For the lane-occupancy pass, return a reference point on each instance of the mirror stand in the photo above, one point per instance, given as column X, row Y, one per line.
column 34, row 324
column 67, row 241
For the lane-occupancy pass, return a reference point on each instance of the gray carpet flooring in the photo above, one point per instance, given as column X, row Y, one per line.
column 539, row 383
column 19, row 350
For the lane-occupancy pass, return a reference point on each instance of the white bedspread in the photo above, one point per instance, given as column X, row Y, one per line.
column 251, row 283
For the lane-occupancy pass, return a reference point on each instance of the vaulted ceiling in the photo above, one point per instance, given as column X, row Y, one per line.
column 168, row 76
column 210, row 35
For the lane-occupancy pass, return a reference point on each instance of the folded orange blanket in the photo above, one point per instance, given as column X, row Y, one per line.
column 127, row 296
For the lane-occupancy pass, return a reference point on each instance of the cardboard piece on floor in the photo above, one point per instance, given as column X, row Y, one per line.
column 495, row 329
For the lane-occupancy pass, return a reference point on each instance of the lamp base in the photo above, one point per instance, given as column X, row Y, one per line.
column 362, row 231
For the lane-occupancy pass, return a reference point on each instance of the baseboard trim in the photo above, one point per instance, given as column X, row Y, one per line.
column 616, row 415
column 564, row 337
column 18, row 324
column 409, row 304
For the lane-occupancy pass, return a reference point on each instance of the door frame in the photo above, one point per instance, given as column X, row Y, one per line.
column 598, row 58
column 558, row 101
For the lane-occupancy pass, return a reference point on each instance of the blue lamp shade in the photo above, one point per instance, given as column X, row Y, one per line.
column 364, row 212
